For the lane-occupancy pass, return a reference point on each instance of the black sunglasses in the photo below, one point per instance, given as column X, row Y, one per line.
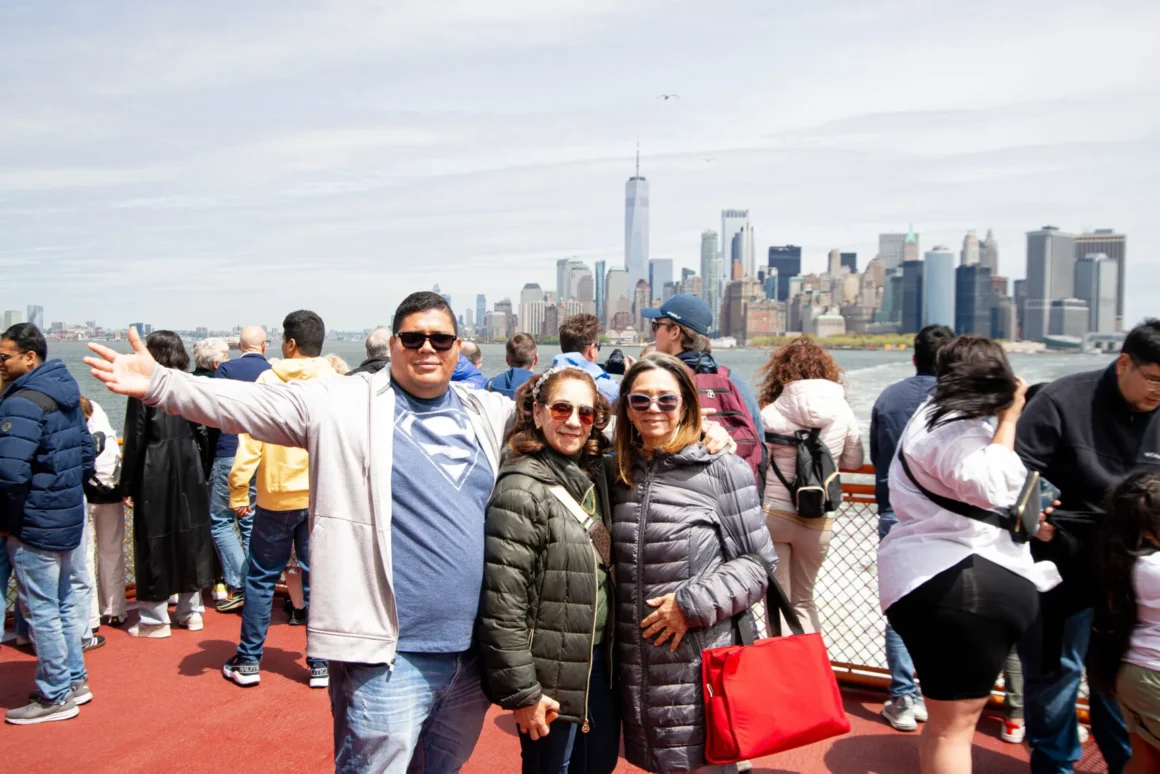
column 440, row 342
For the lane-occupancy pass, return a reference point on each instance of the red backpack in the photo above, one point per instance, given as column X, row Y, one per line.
column 717, row 391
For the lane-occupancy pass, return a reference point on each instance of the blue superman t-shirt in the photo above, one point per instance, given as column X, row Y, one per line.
column 441, row 481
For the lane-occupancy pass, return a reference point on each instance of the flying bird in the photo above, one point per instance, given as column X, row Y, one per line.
column 710, row 160
column 667, row 97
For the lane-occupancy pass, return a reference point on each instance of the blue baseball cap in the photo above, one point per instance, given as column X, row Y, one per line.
column 685, row 308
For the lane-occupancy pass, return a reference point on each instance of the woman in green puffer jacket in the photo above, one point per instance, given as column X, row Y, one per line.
column 544, row 626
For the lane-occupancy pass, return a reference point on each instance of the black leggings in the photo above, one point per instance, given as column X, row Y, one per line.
column 960, row 625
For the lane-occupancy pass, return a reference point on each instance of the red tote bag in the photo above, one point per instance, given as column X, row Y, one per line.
column 773, row 695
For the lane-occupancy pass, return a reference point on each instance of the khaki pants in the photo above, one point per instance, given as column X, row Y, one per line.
column 800, row 553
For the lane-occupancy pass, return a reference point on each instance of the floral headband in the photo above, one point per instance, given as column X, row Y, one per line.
column 544, row 378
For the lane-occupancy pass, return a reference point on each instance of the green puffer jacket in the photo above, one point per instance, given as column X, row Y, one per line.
column 537, row 612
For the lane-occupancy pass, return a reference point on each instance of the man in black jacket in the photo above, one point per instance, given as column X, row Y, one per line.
column 1083, row 433
column 378, row 353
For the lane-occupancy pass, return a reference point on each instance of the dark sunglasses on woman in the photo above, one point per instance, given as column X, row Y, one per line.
column 668, row 403
column 440, row 342
column 561, row 411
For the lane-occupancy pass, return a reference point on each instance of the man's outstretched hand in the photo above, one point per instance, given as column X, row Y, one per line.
column 123, row 374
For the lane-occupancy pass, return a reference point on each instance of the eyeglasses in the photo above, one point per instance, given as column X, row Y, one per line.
column 440, row 342
column 562, row 411
column 658, row 324
column 668, row 403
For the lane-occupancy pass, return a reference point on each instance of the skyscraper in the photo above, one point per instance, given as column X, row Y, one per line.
column 636, row 226
column 890, row 249
column 973, row 299
column 600, row 279
column 531, row 309
column 989, row 253
column 1050, row 277
column 618, row 296
column 480, row 309
column 970, row 252
column 938, row 287
column 36, row 316
column 1115, row 246
column 850, row 261
column 912, row 315
column 910, row 246
column 711, row 275
column 641, row 300
column 1095, row 282
column 660, row 273
column 834, row 263
column 732, row 222
column 1069, row 317
column 786, row 260
column 13, row 317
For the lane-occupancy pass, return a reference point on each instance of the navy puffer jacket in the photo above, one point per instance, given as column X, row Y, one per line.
column 46, row 455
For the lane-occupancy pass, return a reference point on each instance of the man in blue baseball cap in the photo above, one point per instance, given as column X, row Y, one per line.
column 681, row 328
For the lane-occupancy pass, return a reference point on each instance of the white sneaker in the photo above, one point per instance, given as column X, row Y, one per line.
column 1014, row 732
column 220, row 592
column 194, row 623
column 920, row 709
column 149, row 631
column 899, row 713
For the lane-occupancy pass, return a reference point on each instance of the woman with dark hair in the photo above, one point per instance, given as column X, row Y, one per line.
column 545, row 632
column 1124, row 657
column 960, row 592
column 802, row 390
column 161, row 472
column 691, row 552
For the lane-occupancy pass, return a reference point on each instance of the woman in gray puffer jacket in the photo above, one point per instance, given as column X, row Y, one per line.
column 691, row 550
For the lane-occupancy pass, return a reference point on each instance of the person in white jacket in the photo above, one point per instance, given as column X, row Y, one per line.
column 106, row 516
column 802, row 390
column 959, row 591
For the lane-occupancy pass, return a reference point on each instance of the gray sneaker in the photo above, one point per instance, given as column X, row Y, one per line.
column 899, row 713
column 79, row 693
column 920, row 709
column 40, row 711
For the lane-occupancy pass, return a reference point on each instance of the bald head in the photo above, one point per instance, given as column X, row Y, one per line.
column 470, row 350
column 253, row 339
column 379, row 344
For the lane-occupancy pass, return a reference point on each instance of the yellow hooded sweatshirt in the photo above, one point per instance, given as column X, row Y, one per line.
column 283, row 471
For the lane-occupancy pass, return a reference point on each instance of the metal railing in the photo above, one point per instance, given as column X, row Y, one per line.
column 846, row 592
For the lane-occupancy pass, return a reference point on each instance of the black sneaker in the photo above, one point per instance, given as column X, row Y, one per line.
column 96, row 641
column 297, row 617
column 244, row 673
column 40, row 711
column 235, row 601
column 320, row 675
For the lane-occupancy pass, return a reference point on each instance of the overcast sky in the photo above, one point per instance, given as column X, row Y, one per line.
column 216, row 163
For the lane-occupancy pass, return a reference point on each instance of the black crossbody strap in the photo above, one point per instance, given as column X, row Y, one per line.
column 781, row 440
column 994, row 518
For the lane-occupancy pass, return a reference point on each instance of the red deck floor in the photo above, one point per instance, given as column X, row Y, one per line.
column 162, row 705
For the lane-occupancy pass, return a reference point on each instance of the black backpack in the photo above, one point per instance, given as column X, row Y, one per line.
column 816, row 488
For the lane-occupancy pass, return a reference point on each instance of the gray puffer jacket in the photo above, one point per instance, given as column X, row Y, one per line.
column 684, row 527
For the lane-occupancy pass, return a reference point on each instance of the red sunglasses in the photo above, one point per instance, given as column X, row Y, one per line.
column 561, row 411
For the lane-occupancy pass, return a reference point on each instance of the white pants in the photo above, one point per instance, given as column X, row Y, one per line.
column 108, row 527
column 154, row 613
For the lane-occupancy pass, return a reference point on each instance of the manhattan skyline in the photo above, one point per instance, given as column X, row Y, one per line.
column 162, row 166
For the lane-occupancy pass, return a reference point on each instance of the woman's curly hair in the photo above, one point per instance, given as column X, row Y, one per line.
column 525, row 439
column 798, row 359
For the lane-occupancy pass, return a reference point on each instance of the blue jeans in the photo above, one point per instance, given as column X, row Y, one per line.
column 421, row 714
column 897, row 657
column 273, row 535
column 1049, row 703
column 567, row 751
column 44, row 587
column 232, row 552
column 19, row 625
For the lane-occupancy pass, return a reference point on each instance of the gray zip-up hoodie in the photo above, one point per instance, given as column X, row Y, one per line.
column 347, row 425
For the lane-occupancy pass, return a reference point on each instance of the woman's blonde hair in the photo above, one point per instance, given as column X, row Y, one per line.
column 628, row 441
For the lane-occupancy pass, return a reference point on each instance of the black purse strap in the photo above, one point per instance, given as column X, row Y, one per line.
column 776, row 602
column 994, row 518
column 783, row 440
